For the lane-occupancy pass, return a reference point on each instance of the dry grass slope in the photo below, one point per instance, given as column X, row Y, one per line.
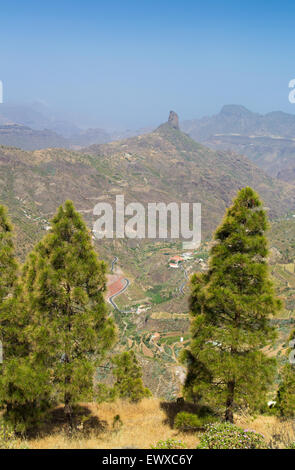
column 144, row 424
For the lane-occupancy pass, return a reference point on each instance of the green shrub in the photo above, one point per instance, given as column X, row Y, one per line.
column 8, row 439
column 117, row 423
column 229, row 436
column 291, row 446
column 191, row 422
column 169, row 444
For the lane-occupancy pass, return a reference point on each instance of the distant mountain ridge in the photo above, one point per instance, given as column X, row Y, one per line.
column 24, row 137
column 34, row 127
column 268, row 140
column 238, row 119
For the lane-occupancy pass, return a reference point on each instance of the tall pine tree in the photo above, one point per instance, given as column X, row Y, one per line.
column 11, row 319
column 20, row 383
column 231, row 305
column 8, row 278
column 69, row 329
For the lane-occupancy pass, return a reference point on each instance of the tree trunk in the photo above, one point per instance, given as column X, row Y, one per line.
column 68, row 396
column 229, row 414
column 68, row 410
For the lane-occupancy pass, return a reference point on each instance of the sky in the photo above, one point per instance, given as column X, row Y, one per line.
column 126, row 64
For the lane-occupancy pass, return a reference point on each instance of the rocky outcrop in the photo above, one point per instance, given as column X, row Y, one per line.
column 173, row 120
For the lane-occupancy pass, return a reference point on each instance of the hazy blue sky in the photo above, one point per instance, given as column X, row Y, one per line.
column 127, row 63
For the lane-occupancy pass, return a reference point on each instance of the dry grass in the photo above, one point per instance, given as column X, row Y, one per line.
column 144, row 424
column 278, row 433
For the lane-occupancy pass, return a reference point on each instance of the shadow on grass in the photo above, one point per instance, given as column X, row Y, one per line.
column 172, row 408
column 84, row 422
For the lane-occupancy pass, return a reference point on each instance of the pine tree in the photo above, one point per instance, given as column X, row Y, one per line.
column 8, row 264
column 8, row 278
column 69, row 329
column 128, row 376
column 24, row 393
column 18, row 380
column 231, row 305
column 11, row 319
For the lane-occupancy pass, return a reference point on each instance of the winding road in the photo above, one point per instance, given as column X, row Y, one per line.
column 120, row 282
column 181, row 288
column 111, row 299
column 113, row 263
column 127, row 283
